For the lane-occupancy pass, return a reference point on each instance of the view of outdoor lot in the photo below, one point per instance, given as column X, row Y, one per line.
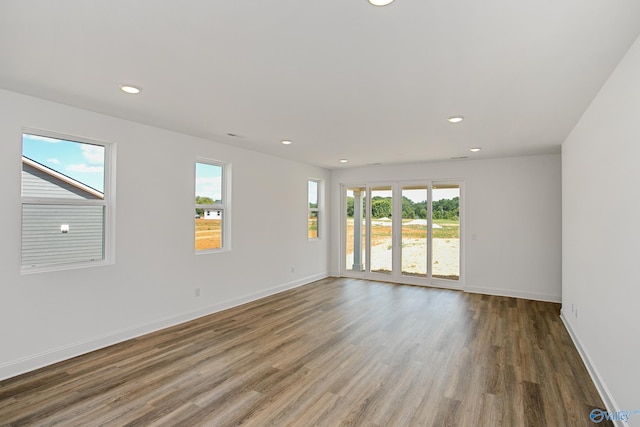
column 312, row 228
column 412, row 206
column 446, row 247
column 208, row 234
column 413, row 239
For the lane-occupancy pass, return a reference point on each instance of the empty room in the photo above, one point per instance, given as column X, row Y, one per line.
column 295, row 213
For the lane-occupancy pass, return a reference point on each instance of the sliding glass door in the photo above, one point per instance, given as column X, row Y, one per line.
column 403, row 232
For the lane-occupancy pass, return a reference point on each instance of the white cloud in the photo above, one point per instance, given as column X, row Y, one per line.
column 54, row 161
column 94, row 154
column 85, row 169
column 209, row 187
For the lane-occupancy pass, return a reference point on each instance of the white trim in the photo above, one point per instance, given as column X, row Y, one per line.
column 603, row 390
column 46, row 358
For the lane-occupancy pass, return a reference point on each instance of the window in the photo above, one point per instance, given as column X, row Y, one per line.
column 211, row 206
column 408, row 231
column 66, row 202
column 314, row 210
column 445, row 213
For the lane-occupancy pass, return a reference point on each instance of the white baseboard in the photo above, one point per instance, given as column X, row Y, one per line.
column 605, row 395
column 31, row 363
column 514, row 294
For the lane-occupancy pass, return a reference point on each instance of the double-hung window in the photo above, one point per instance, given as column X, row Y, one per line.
column 67, row 207
column 313, row 214
column 211, row 206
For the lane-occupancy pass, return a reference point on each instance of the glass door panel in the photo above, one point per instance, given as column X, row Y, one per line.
column 356, row 229
column 405, row 232
column 414, row 242
column 446, row 231
column 381, row 230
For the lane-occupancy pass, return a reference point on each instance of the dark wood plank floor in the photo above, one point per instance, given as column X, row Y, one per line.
column 335, row 352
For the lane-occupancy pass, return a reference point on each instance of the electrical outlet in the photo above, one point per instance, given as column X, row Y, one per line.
column 293, row 269
column 197, row 292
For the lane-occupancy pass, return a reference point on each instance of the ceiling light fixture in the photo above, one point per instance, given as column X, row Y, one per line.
column 285, row 142
column 475, row 149
column 455, row 119
column 380, row 2
column 130, row 89
column 343, row 160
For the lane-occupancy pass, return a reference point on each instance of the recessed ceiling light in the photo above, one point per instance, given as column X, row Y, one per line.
column 343, row 160
column 475, row 149
column 455, row 119
column 285, row 142
column 380, row 2
column 130, row 89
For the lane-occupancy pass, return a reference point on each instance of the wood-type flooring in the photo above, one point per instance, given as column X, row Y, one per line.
column 337, row 352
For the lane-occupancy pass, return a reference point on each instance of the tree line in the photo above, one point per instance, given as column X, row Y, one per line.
column 381, row 207
column 204, row 201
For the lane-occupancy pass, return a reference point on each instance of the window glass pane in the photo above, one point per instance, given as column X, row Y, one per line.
column 209, row 206
column 381, row 230
column 208, row 227
column 61, row 169
column 313, row 194
column 73, row 229
column 56, row 234
column 313, row 225
column 208, row 184
column 356, row 229
column 446, row 231
column 414, row 231
column 312, row 221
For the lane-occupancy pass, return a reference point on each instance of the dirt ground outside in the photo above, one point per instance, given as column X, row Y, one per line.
column 208, row 234
column 446, row 248
column 446, row 245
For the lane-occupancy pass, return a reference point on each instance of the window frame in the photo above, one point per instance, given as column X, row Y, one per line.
column 224, row 207
column 107, row 202
column 317, row 210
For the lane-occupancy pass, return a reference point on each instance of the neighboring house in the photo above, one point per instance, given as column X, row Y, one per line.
column 61, row 232
column 39, row 180
column 212, row 214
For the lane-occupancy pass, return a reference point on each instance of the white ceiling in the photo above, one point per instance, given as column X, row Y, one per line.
column 341, row 78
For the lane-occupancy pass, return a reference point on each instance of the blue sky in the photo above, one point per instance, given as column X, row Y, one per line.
column 313, row 192
column 209, row 181
column 80, row 161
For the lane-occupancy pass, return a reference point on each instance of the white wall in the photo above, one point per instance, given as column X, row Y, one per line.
column 601, row 235
column 50, row 316
column 512, row 205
